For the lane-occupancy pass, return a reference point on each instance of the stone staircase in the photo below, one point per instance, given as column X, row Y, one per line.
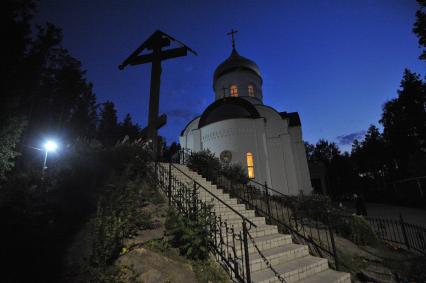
column 292, row 261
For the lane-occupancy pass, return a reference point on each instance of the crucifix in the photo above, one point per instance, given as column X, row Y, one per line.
column 231, row 33
column 155, row 43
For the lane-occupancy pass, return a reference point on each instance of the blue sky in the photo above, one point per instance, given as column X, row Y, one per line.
column 334, row 62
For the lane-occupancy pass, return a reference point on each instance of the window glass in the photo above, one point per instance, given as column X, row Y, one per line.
column 234, row 90
column 250, row 90
column 250, row 165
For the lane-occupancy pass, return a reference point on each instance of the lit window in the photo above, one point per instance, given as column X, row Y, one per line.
column 250, row 165
column 251, row 90
column 234, row 90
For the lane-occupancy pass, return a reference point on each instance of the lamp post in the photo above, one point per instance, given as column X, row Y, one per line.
column 48, row 146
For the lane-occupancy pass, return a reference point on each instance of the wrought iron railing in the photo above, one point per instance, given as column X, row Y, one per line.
column 229, row 243
column 306, row 227
column 412, row 236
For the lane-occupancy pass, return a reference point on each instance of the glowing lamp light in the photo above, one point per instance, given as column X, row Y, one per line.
column 50, row 146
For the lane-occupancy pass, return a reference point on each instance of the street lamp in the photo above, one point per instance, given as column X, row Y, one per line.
column 48, row 146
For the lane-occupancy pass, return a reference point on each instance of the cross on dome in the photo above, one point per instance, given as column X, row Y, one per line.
column 231, row 33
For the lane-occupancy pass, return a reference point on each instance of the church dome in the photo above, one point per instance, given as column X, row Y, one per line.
column 228, row 108
column 236, row 62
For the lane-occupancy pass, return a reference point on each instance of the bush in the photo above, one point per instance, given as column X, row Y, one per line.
column 236, row 173
column 190, row 236
column 360, row 231
column 205, row 163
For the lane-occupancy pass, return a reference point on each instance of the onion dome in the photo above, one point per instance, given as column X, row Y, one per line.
column 236, row 62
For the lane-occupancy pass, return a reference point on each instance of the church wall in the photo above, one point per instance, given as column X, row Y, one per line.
column 238, row 136
column 276, row 165
column 301, row 163
column 242, row 79
column 289, row 169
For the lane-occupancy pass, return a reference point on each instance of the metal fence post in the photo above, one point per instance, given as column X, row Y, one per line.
column 169, row 189
column 404, row 232
column 268, row 204
column 194, row 200
column 246, row 251
column 333, row 244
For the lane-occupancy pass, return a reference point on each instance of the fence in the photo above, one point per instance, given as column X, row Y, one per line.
column 308, row 227
column 413, row 237
column 229, row 243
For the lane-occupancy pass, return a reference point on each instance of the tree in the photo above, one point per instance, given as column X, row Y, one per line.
column 370, row 156
column 420, row 27
column 108, row 126
column 10, row 136
column 325, row 152
column 127, row 128
column 84, row 116
column 404, row 125
column 309, row 148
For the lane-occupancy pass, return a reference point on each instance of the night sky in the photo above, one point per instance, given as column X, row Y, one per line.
column 335, row 62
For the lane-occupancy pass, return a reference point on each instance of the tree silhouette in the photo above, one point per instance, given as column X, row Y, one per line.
column 370, row 156
column 127, row 128
column 404, row 125
column 108, row 130
column 420, row 27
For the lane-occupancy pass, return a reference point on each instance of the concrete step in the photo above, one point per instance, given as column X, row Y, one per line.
column 211, row 199
column 329, row 276
column 292, row 261
column 292, row 271
column 267, row 242
column 236, row 221
column 229, row 214
column 277, row 255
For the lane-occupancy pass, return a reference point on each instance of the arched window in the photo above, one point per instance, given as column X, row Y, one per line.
column 250, row 165
column 233, row 90
column 251, row 90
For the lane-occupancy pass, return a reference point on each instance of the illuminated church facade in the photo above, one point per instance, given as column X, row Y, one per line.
column 239, row 128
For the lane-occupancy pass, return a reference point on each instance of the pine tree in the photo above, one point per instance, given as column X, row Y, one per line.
column 404, row 122
column 108, row 130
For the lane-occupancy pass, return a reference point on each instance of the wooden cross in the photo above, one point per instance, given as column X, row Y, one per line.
column 155, row 43
column 231, row 33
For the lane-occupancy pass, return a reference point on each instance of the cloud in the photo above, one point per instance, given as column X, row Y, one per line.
column 181, row 113
column 349, row 138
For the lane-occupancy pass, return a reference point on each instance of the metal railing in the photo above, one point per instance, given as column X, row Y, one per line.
column 306, row 227
column 228, row 242
column 413, row 237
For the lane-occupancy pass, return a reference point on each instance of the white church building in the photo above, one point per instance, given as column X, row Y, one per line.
column 239, row 128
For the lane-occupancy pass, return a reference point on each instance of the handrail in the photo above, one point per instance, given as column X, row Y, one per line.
column 269, row 188
column 227, row 205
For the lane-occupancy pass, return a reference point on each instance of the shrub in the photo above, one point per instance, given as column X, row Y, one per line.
column 205, row 163
column 361, row 232
column 190, row 236
column 235, row 172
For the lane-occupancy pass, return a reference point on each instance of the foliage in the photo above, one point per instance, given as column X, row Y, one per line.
column 127, row 128
column 205, row 163
column 358, row 230
column 420, row 27
column 235, row 173
column 10, row 134
column 404, row 128
column 190, row 236
column 119, row 211
column 313, row 205
column 108, row 125
column 169, row 152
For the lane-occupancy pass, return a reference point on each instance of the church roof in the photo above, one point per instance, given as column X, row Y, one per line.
column 236, row 62
column 228, row 108
column 293, row 118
